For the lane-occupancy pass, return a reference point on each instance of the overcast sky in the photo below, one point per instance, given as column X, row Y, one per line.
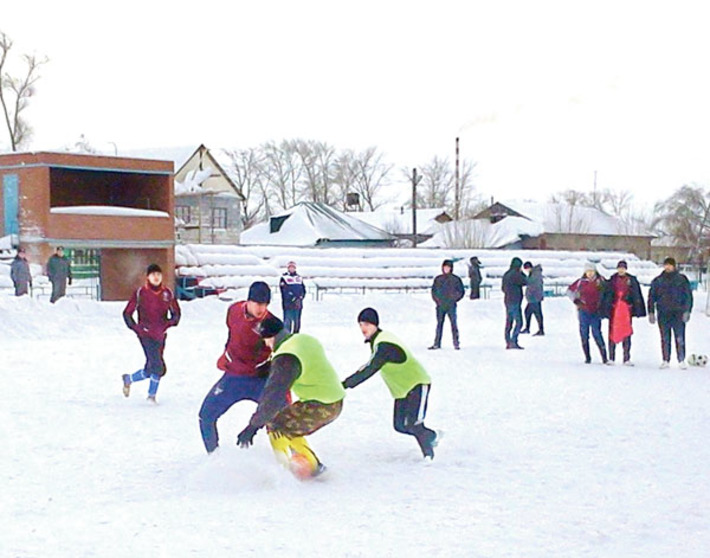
column 541, row 94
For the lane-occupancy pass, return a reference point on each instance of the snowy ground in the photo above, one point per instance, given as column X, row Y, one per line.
column 543, row 455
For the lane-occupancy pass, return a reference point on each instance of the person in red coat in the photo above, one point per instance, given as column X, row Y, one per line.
column 245, row 362
column 589, row 294
column 627, row 303
column 158, row 310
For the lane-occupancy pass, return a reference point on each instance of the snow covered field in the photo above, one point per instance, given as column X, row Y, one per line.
column 543, row 455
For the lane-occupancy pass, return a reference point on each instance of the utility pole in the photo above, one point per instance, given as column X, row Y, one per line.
column 415, row 180
column 457, row 187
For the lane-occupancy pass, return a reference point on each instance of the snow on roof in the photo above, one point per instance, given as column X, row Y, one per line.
column 399, row 221
column 178, row 155
column 483, row 233
column 566, row 218
column 108, row 210
column 308, row 223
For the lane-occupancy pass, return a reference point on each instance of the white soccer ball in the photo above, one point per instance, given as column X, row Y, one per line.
column 698, row 360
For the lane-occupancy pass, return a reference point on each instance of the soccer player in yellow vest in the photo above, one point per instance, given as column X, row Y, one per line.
column 405, row 377
column 299, row 365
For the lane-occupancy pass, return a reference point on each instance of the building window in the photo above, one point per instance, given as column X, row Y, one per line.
column 219, row 217
column 184, row 213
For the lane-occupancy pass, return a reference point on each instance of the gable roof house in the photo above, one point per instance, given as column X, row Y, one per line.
column 315, row 224
column 570, row 227
column 208, row 204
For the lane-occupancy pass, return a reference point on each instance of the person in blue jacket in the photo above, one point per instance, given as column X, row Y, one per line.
column 293, row 291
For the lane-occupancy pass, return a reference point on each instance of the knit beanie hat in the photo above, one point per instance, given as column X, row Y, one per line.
column 622, row 263
column 369, row 315
column 516, row 263
column 527, row 265
column 270, row 327
column 260, row 292
column 153, row 268
column 589, row 266
column 669, row 261
column 450, row 263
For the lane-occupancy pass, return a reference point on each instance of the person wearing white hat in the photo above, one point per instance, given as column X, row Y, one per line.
column 590, row 294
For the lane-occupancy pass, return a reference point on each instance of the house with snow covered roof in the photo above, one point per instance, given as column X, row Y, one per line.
column 115, row 211
column 315, row 224
column 563, row 226
column 400, row 223
column 208, row 202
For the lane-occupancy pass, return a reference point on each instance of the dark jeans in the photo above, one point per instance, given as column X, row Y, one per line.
column 225, row 393
column 475, row 289
column 533, row 309
column 153, row 350
column 589, row 321
column 292, row 320
column 409, row 414
column 59, row 289
column 513, row 322
column 672, row 322
column 441, row 314
column 626, row 345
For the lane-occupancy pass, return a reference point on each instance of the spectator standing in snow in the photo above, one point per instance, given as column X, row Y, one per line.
column 244, row 362
column 671, row 295
column 158, row 310
column 293, row 291
column 512, row 285
column 20, row 273
column 404, row 376
column 534, row 295
column 590, row 294
column 627, row 303
column 446, row 291
column 298, row 364
column 475, row 277
column 59, row 272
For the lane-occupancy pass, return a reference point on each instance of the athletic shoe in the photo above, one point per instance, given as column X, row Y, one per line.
column 683, row 365
column 126, row 385
column 151, row 399
column 628, row 363
column 434, row 347
column 664, row 364
column 539, row 334
column 524, row 331
column 609, row 362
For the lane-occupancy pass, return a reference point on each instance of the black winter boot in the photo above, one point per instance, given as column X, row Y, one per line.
column 587, row 355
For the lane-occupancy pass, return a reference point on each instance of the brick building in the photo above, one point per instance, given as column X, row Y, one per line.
column 119, row 208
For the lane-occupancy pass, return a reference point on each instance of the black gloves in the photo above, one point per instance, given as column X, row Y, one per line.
column 246, row 436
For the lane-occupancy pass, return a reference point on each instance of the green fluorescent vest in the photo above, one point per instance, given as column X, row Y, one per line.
column 401, row 378
column 318, row 380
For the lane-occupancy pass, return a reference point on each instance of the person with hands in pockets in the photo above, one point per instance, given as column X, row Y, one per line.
column 158, row 310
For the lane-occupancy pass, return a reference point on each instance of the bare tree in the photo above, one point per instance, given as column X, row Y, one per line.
column 370, row 175
column 283, row 170
column 436, row 186
column 247, row 173
column 15, row 93
column 685, row 216
column 344, row 177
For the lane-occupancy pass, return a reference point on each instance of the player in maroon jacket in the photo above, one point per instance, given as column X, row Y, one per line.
column 157, row 311
column 244, row 362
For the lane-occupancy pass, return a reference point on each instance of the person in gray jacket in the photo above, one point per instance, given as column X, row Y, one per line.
column 59, row 272
column 534, row 294
column 20, row 273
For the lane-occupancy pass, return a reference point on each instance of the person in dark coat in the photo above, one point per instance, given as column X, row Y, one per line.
column 590, row 294
column 158, row 310
column 59, row 273
column 670, row 294
column 475, row 277
column 20, row 273
column 293, row 291
column 627, row 303
column 512, row 285
column 534, row 295
column 446, row 291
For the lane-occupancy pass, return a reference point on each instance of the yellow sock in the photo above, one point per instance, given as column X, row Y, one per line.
column 300, row 445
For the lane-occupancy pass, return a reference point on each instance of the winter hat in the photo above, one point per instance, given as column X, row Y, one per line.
column 20, row 250
column 153, row 268
column 527, row 265
column 622, row 263
column 270, row 327
column 450, row 263
column 589, row 266
column 289, row 264
column 669, row 261
column 516, row 262
column 260, row 292
column 369, row 315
